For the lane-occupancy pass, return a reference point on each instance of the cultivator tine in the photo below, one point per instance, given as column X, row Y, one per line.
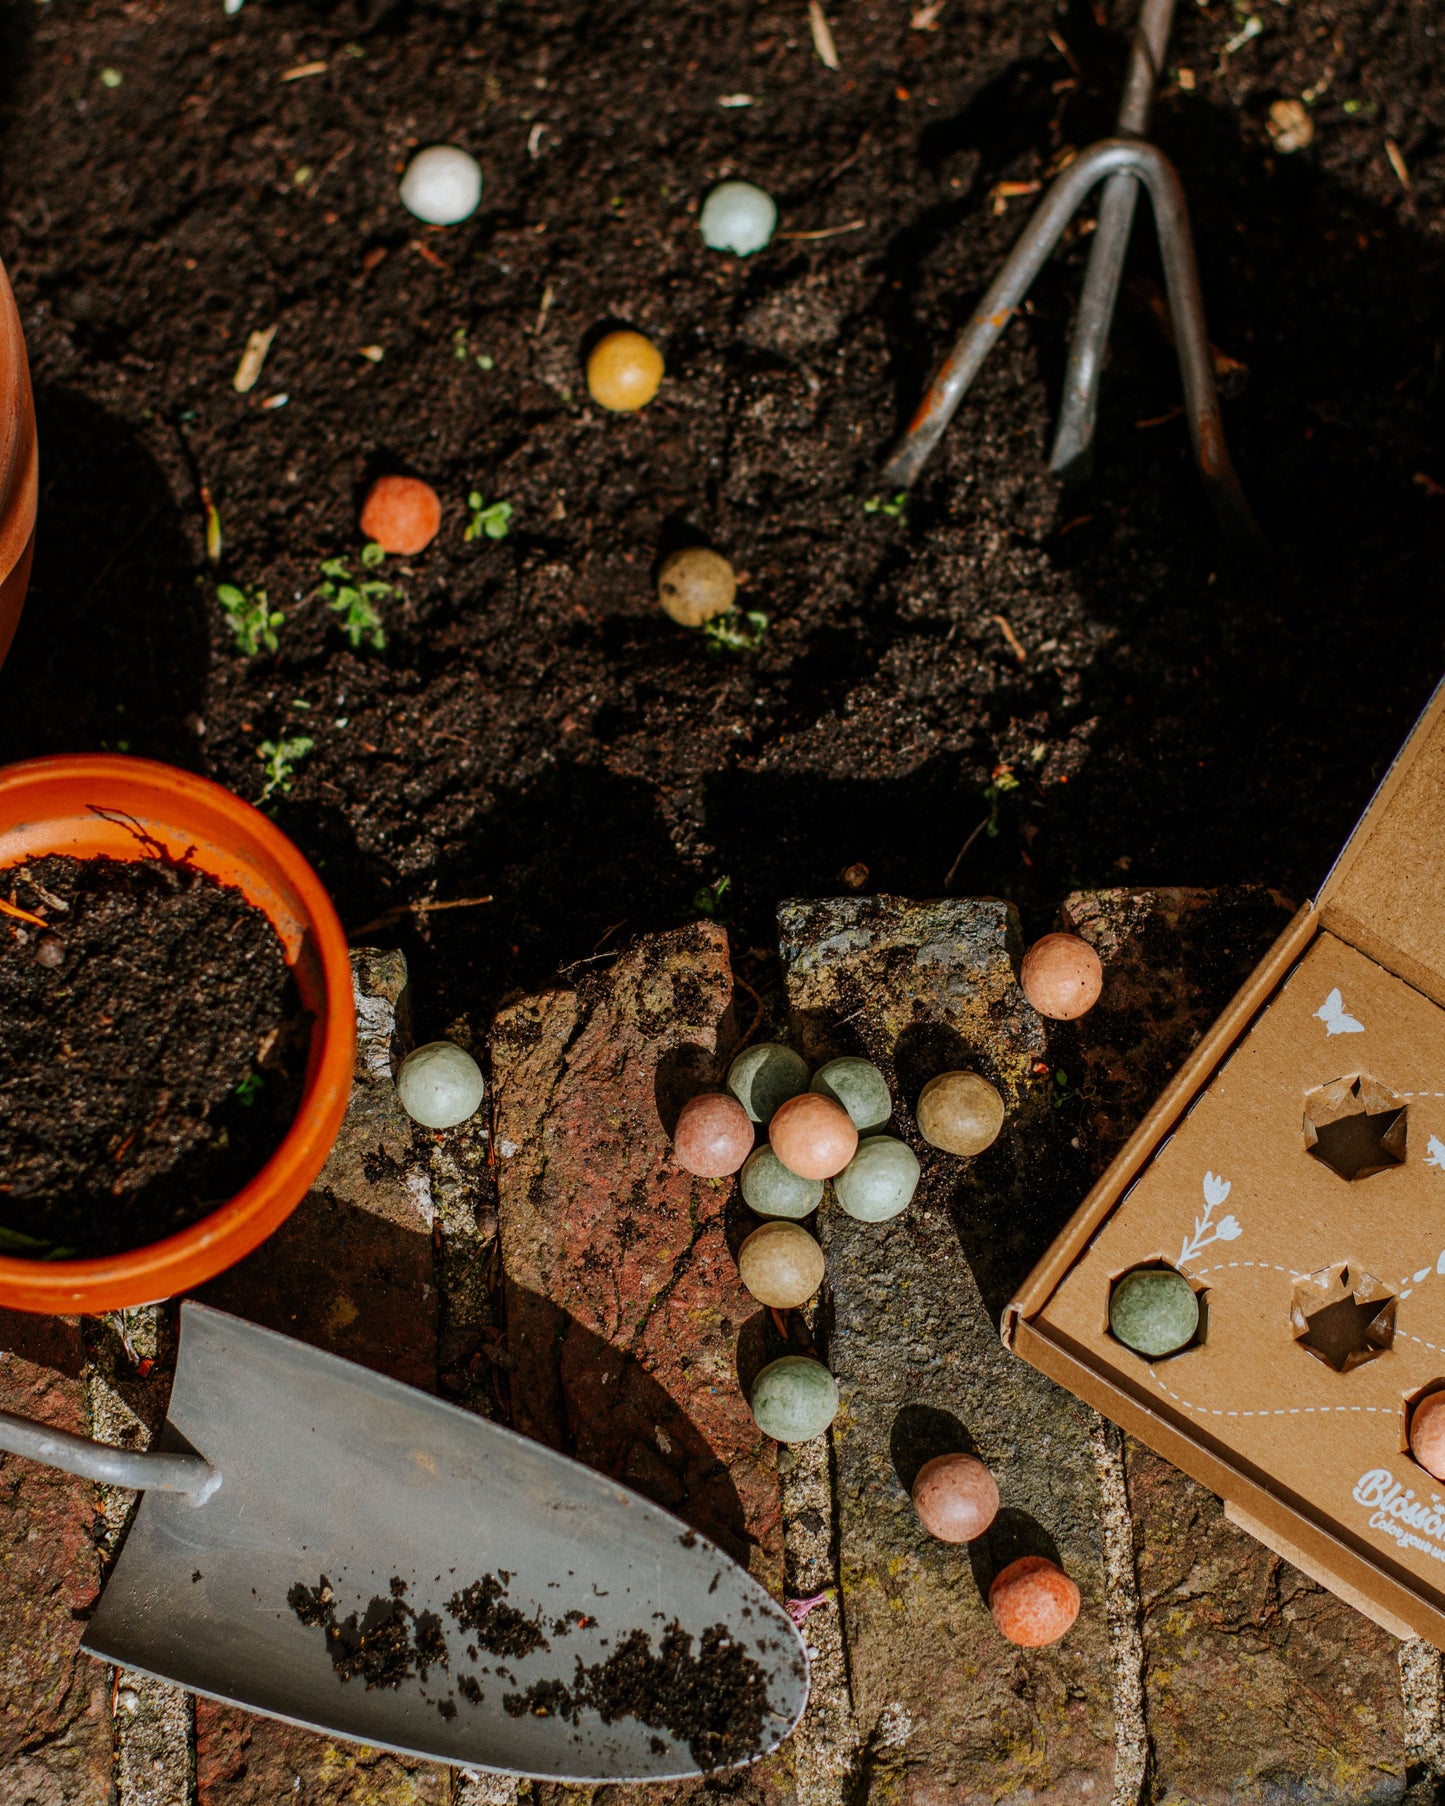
column 1122, row 164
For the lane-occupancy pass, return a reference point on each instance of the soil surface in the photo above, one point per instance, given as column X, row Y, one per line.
column 534, row 730
column 153, row 1053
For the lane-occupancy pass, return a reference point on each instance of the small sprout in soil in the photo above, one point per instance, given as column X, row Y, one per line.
column 894, row 506
column 213, row 527
column 624, row 372
column 1003, row 782
column 111, row 78
column 709, row 899
column 280, row 759
column 251, row 618
column 738, row 217
column 249, row 1089
column 462, row 351
column 442, row 185
column 354, row 599
column 402, row 514
column 494, row 519
column 741, row 630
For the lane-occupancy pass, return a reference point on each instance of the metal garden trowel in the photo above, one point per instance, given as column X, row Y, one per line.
column 328, row 1546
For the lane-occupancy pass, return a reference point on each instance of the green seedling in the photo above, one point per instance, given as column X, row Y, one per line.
column 1003, row 782
column 250, row 617
column 462, row 351
column 737, row 631
column 354, row 599
column 895, row 507
column 494, row 520
column 28, row 1248
column 709, row 899
column 214, row 543
column 279, row 759
column 250, row 1088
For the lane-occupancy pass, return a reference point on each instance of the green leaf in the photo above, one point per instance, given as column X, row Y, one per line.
column 372, row 554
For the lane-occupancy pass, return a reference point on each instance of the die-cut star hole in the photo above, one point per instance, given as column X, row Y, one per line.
column 1342, row 1317
column 1355, row 1126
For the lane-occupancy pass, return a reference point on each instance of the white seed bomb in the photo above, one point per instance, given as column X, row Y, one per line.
column 738, row 217
column 439, row 1085
column 442, row 185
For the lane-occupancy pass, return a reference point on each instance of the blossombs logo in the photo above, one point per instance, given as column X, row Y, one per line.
column 1413, row 1523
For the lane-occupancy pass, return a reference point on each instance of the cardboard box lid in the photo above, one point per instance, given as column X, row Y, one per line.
column 1385, row 894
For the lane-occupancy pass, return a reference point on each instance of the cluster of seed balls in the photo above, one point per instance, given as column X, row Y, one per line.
column 827, row 1127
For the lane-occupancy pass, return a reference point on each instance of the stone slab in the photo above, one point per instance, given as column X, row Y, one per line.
column 946, row 1709
column 55, row 1723
column 350, row 1271
column 1259, row 1685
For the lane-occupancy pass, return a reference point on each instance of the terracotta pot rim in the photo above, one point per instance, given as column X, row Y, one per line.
column 19, row 467
column 63, row 797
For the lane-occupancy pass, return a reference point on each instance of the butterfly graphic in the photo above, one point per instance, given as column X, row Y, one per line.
column 1332, row 1013
column 1435, row 1153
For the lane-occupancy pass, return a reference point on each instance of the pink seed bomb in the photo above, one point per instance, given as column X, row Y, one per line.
column 956, row 1498
column 813, row 1136
column 1033, row 1601
column 1061, row 976
column 713, row 1135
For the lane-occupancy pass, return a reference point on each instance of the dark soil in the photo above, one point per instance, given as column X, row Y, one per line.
column 498, row 1628
column 152, row 1071
column 534, row 729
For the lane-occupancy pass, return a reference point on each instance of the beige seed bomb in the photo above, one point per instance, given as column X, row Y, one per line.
column 624, row 372
column 960, row 1113
column 781, row 1265
column 694, row 585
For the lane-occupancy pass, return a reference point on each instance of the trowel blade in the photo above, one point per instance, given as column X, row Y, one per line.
column 427, row 1523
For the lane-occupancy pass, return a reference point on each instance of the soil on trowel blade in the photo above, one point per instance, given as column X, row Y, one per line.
column 150, row 1057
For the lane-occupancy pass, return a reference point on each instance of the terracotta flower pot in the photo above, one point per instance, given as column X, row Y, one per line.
column 19, row 470
column 102, row 804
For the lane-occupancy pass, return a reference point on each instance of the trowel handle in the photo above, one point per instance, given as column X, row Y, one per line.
column 137, row 1468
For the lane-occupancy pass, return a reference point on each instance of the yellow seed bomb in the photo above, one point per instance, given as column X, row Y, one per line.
column 623, row 372
column 781, row 1265
column 694, row 585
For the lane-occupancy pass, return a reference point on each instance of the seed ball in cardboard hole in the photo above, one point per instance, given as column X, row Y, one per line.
column 956, row 1498
column 439, row 1085
column 772, row 1191
column 960, row 1113
column 694, row 585
column 794, row 1399
column 713, row 1136
column 767, row 1075
column 813, row 1136
column 781, row 1265
column 1154, row 1311
column 1427, row 1434
column 859, row 1087
column 879, row 1181
column 1061, row 976
column 1033, row 1601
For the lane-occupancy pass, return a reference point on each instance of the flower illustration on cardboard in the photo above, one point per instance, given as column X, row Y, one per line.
column 1206, row 1230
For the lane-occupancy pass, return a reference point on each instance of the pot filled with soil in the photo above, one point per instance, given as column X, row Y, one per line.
column 19, row 470
column 178, row 1031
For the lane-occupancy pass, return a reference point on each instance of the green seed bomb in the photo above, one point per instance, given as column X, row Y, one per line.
column 879, row 1181
column 859, row 1087
column 1154, row 1311
column 772, row 1191
column 767, row 1075
column 794, row 1399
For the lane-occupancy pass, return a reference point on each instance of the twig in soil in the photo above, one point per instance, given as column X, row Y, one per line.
column 1398, row 164
column 1141, row 426
column 214, row 542
column 822, row 35
column 22, row 915
column 429, row 254
column 49, row 896
column 925, row 18
column 854, row 225
column 1015, row 644
column 248, row 371
column 848, row 161
column 962, row 851
column 302, row 71
column 423, row 906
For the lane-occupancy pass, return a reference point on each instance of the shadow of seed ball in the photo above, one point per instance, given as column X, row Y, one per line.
column 956, row 1498
column 694, row 585
column 879, row 1181
column 439, row 1085
column 1033, row 1601
column 713, row 1135
column 781, row 1265
column 859, row 1087
column 1061, row 976
column 1154, row 1311
column 767, row 1075
column 960, row 1113
column 813, row 1136
column 772, row 1191
column 794, row 1399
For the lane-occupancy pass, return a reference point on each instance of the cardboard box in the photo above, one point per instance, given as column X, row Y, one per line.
column 1322, row 1296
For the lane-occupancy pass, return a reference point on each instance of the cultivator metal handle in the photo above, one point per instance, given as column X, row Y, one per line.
column 142, row 1469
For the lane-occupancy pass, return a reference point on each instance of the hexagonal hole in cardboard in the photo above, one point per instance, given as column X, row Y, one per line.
column 1355, row 1126
column 1158, row 1264
column 1342, row 1317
